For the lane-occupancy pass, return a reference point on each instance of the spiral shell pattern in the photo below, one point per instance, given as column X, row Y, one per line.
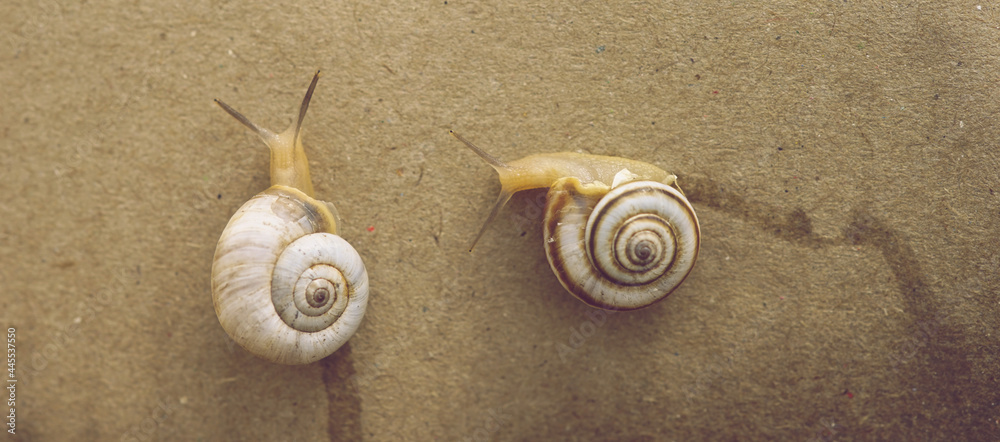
column 285, row 287
column 623, row 248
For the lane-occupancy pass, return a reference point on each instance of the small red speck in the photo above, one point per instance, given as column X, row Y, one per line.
column 849, row 394
column 715, row 92
column 371, row 228
column 781, row 298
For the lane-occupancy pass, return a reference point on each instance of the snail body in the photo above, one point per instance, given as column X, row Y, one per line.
column 619, row 234
column 285, row 286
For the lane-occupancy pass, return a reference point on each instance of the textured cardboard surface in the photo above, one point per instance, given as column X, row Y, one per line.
column 842, row 156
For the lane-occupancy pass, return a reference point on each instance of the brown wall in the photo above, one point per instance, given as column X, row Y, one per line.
column 842, row 157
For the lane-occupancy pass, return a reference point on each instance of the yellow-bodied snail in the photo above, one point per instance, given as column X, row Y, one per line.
column 285, row 286
column 619, row 234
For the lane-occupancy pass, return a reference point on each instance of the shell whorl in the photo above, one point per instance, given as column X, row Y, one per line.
column 620, row 248
column 285, row 286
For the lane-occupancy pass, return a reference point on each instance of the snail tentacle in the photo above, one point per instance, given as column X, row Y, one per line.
column 505, row 193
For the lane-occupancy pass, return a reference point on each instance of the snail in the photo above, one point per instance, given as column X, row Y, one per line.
column 285, row 286
column 619, row 234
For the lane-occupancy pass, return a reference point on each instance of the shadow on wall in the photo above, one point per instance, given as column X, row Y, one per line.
column 941, row 360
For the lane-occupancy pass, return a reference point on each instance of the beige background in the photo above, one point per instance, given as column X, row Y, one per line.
column 842, row 156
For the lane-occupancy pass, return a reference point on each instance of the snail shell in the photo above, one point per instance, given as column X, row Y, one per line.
column 285, row 286
column 618, row 246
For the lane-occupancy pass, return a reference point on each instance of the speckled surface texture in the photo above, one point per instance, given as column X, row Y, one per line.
column 842, row 156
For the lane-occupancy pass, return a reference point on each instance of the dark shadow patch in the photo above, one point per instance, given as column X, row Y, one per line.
column 344, row 422
column 865, row 229
column 798, row 225
column 794, row 226
column 933, row 348
column 931, row 353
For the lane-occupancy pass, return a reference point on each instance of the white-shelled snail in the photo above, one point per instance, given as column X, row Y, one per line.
column 619, row 234
column 285, row 286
